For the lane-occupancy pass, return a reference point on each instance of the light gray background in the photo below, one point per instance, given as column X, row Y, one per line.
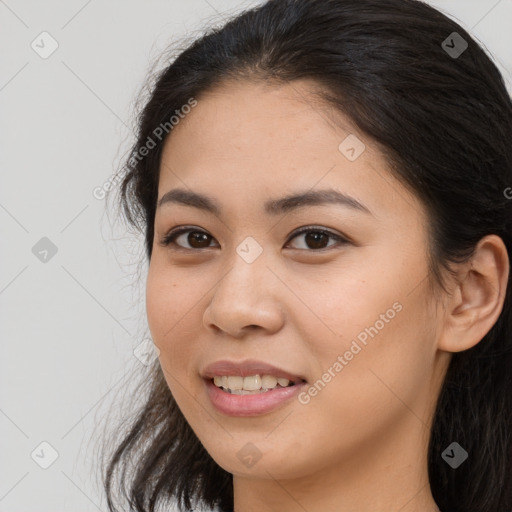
column 70, row 325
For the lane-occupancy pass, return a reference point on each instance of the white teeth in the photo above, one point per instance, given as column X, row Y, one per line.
column 249, row 385
column 235, row 382
column 269, row 381
column 252, row 383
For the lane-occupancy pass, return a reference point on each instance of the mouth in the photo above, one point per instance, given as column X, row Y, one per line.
column 249, row 388
column 252, row 384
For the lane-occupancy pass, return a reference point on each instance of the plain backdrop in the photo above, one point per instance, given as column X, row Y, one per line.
column 73, row 324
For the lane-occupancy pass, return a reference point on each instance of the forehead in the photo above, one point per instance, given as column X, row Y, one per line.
column 249, row 116
column 245, row 140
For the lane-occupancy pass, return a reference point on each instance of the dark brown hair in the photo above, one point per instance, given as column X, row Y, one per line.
column 445, row 125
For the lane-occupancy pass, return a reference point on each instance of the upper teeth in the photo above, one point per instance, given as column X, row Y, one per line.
column 251, row 383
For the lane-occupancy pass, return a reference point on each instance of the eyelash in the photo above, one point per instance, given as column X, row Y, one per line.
column 173, row 234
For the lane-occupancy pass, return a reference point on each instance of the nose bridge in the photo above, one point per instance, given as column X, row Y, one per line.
column 245, row 295
column 248, row 266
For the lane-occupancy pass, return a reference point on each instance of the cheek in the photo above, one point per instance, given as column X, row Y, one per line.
column 381, row 327
column 385, row 368
column 158, row 301
column 352, row 305
column 173, row 307
column 164, row 308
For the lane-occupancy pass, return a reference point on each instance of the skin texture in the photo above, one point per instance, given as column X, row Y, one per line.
column 360, row 444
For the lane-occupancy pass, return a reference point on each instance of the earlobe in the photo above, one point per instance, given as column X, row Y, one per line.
column 477, row 300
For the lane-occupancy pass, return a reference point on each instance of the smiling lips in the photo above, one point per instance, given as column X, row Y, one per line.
column 250, row 387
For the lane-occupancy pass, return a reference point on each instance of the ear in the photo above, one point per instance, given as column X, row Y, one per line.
column 478, row 296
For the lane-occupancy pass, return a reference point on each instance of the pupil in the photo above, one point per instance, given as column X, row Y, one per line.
column 315, row 238
column 199, row 238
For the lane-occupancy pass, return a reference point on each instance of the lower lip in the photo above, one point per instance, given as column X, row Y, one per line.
column 250, row 405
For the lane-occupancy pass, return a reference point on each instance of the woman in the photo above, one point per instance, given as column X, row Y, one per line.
column 322, row 189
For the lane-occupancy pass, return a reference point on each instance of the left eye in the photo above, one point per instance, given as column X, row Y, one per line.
column 316, row 238
column 196, row 239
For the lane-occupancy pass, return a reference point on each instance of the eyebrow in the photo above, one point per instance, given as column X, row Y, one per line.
column 272, row 206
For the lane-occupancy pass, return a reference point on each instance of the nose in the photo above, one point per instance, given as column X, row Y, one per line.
column 245, row 299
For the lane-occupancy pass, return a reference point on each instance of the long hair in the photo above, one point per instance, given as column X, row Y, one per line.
column 438, row 107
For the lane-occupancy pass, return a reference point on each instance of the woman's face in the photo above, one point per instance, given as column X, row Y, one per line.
column 352, row 316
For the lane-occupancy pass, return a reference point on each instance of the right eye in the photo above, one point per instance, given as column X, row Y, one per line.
column 196, row 239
